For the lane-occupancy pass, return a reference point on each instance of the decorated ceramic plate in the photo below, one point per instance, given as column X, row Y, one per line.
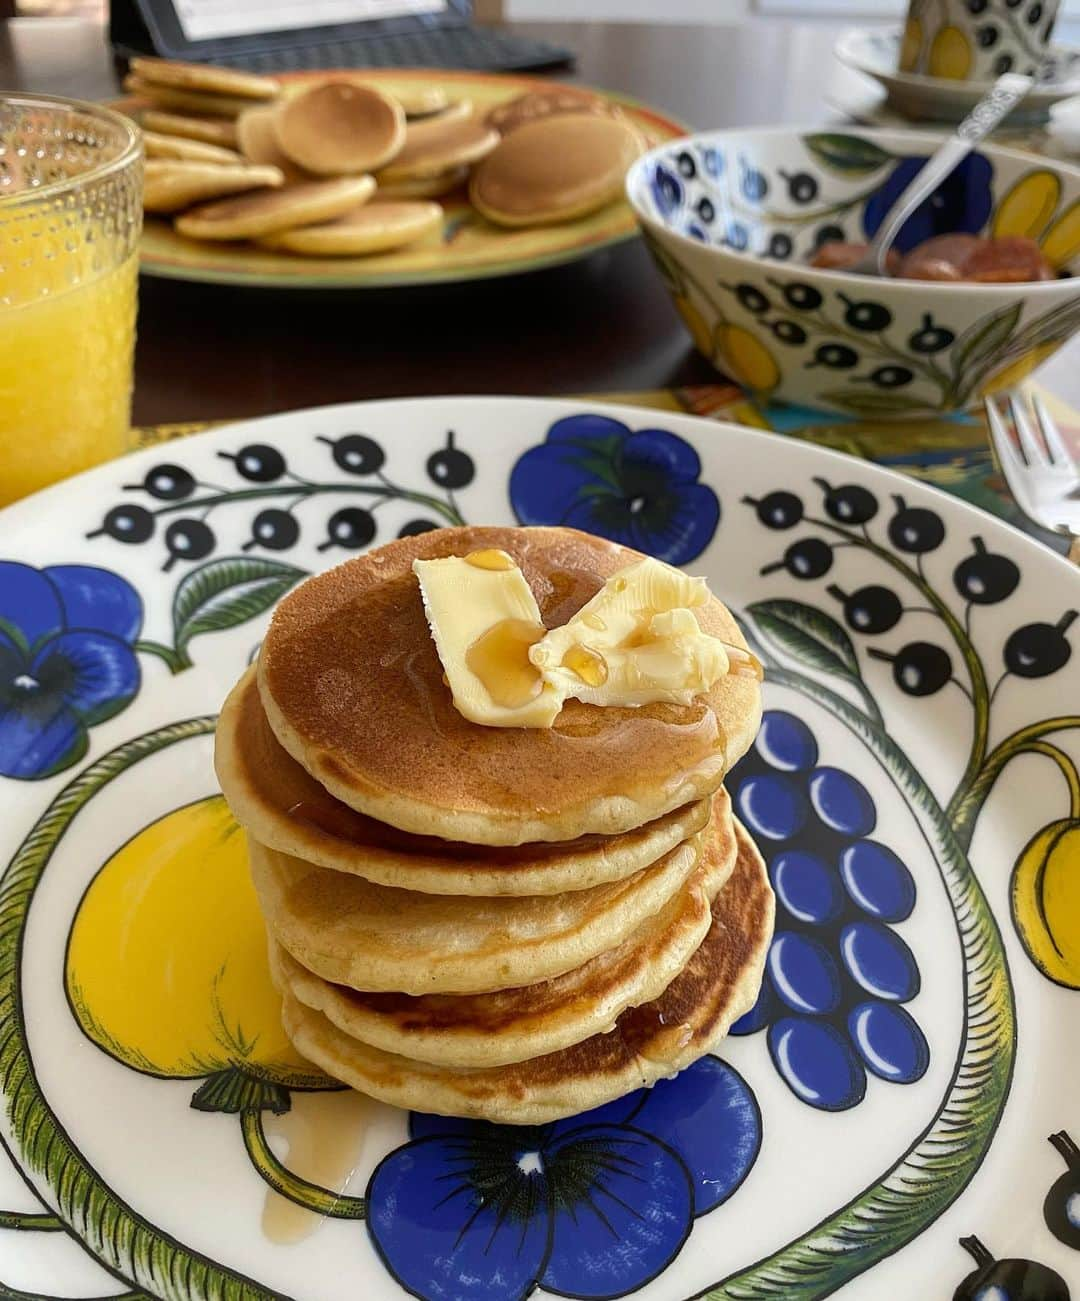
column 897, row 1117
column 468, row 247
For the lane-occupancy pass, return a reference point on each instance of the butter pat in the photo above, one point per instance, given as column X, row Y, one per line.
column 484, row 620
column 635, row 643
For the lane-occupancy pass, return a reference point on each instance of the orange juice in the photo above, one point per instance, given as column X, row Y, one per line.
column 65, row 380
column 70, row 217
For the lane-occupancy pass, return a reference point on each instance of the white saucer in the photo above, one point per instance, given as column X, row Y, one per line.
column 877, row 54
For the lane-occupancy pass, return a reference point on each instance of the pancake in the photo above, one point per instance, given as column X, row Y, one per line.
column 375, row 228
column 186, row 101
column 340, row 128
column 537, row 104
column 557, row 168
column 374, row 937
column 211, row 130
column 511, row 1025
column 283, row 807
column 718, row 984
column 157, row 145
column 353, row 689
column 427, row 187
column 257, row 140
column 435, row 147
column 204, row 78
column 266, row 211
column 170, row 184
column 418, row 98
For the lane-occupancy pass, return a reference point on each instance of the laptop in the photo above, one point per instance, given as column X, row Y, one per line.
column 282, row 35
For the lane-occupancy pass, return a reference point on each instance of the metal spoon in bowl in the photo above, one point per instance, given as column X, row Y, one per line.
column 1001, row 98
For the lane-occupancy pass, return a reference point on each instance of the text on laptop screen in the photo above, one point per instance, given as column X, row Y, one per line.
column 203, row 20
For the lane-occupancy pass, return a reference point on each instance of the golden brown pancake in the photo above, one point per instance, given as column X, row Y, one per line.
column 511, row 1025
column 285, row 808
column 427, row 187
column 186, row 101
column 719, row 983
column 555, row 169
column 257, row 140
column 211, row 130
column 377, row 227
column 373, row 937
column 438, row 145
column 266, row 211
column 340, row 128
column 353, row 689
column 170, row 185
column 204, row 78
column 537, row 104
column 194, row 151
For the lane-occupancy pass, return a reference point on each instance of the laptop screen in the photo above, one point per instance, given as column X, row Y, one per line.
column 202, row 20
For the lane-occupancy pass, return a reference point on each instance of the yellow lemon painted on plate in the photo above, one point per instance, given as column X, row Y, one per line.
column 167, row 969
column 1017, row 370
column 1061, row 243
column 1046, row 901
column 911, row 45
column 1028, row 206
column 695, row 323
column 745, row 358
column 950, row 54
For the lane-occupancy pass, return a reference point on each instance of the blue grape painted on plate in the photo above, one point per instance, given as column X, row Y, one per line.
column 837, row 974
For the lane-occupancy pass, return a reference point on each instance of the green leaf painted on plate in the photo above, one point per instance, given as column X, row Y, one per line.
column 227, row 592
column 987, row 336
column 843, row 153
column 807, row 634
column 875, row 402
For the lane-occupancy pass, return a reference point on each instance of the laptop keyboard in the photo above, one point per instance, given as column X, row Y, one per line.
column 452, row 47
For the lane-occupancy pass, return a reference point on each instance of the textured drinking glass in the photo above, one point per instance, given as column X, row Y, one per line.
column 977, row 40
column 70, row 218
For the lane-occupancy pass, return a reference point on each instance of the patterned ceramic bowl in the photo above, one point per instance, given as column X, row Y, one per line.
column 732, row 217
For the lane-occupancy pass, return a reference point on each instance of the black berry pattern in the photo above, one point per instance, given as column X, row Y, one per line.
column 183, row 513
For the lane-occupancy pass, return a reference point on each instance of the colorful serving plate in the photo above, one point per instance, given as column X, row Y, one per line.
column 897, row 1117
column 469, row 247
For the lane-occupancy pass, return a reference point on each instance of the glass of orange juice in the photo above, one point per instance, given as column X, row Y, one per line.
column 70, row 218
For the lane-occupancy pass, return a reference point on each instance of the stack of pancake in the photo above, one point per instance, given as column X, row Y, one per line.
column 503, row 923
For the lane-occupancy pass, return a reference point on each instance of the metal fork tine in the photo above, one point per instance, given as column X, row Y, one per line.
column 1025, row 431
column 1008, row 456
column 1055, row 444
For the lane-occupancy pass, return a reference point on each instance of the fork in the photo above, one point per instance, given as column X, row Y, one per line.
column 1041, row 472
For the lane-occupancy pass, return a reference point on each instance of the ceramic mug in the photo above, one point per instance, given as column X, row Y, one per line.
column 976, row 40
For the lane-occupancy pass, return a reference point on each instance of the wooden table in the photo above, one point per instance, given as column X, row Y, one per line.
column 605, row 323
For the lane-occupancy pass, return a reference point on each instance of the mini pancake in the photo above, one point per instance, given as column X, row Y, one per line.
column 283, row 807
column 651, row 1042
column 170, row 185
column 392, row 744
column 189, row 151
column 186, row 101
column 375, row 228
column 204, row 78
column 258, row 142
column 512, row 1025
column 555, row 169
column 211, row 130
column 438, row 146
column 262, row 213
column 339, row 128
column 371, row 937
column 537, row 104
column 427, row 187
column 417, row 98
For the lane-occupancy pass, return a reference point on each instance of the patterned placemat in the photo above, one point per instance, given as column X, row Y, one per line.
column 952, row 453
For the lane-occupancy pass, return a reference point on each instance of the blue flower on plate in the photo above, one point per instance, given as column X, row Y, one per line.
column 667, row 190
column 961, row 203
column 594, row 1206
column 67, row 662
column 638, row 487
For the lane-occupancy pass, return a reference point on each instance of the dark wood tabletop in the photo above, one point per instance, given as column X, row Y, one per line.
column 603, row 323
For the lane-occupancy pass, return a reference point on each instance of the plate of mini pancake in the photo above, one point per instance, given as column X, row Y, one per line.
column 343, row 179
column 748, row 970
